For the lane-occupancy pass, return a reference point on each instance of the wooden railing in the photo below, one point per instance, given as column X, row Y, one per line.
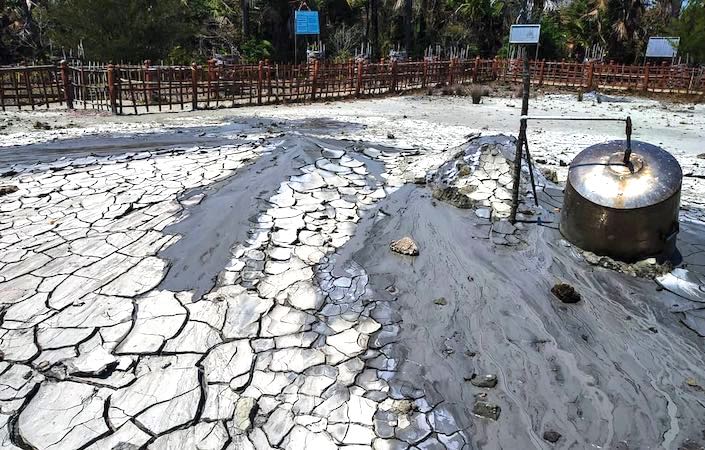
column 131, row 89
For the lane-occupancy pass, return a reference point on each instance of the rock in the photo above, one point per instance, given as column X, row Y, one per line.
column 692, row 382
column 566, row 293
column 38, row 125
column 6, row 189
column 551, row 436
column 405, row 246
column 441, row 301
column 485, row 409
column 551, row 175
column 701, row 156
column 483, row 381
column 453, row 196
column 390, row 135
column 245, row 411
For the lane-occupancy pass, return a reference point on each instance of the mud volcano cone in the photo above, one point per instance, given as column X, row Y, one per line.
column 627, row 210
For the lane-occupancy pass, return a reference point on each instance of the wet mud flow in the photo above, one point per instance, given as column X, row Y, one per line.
column 235, row 288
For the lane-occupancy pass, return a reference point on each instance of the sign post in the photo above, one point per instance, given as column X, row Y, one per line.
column 523, row 34
column 305, row 23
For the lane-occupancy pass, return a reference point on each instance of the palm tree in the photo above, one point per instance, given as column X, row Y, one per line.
column 245, row 6
column 374, row 27
column 408, row 29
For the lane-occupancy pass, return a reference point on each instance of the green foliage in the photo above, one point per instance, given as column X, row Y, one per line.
column 181, row 31
column 691, row 29
column 553, row 38
column 122, row 30
column 255, row 50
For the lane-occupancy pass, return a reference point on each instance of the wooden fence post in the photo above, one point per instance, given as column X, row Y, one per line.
column 314, row 80
column 476, row 70
column 259, row 82
column 494, row 68
column 590, row 74
column 194, row 86
column 358, row 86
column 450, row 72
column 148, row 80
column 111, row 88
column 424, row 73
column 541, row 68
column 645, row 86
column 68, row 91
column 393, row 67
column 269, row 80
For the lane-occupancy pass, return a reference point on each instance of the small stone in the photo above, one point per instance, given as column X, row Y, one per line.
column 701, row 156
column 441, row 301
column 245, row 410
column 485, row 409
column 566, row 293
column 551, row 436
column 483, row 381
column 8, row 189
column 38, row 125
column 405, row 246
column 692, row 382
column 390, row 135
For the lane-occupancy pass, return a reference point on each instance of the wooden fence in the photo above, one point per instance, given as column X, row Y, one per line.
column 132, row 89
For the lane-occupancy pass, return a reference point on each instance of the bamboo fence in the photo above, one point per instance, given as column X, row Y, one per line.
column 124, row 89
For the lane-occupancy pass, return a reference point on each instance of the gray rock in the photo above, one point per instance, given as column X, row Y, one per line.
column 453, row 196
column 483, row 381
column 566, row 293
column 405, row 246
column 551, row 436
column 485, row 409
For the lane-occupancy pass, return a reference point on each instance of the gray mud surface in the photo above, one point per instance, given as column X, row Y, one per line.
column 590, row 371
column 233, row 287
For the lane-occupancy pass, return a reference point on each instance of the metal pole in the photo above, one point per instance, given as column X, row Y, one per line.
column 531, row 170
column 522, row 134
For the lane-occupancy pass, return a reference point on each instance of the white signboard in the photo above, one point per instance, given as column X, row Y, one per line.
column 662, row 47
column 524, row 34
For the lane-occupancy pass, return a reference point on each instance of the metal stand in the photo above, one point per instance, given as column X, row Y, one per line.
column 522, row 143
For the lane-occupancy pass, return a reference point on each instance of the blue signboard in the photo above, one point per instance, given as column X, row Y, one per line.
column 307, row 22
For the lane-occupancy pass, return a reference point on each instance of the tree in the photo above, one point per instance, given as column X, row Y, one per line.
column 245, row 8
column 123, row 30
column 408, row 28
column 691, row 29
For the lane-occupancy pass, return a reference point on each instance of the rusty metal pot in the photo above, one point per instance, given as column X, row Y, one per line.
column 621, row 204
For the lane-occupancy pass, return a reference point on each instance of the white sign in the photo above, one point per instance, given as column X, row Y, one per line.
column 524, row 34
column 662, row 47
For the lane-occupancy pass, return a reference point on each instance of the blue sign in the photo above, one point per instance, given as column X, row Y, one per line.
column 307, row 22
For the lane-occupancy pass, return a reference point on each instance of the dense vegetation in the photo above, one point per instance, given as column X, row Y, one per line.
column 182, row 31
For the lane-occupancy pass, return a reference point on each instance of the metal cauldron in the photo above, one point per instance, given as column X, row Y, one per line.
column 623, row 204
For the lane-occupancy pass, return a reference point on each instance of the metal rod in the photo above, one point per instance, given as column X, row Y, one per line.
column 605, row 119
column 627, row 120
column 628, row 153
column 531, row 169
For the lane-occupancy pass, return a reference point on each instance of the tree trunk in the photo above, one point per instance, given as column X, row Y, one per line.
column 245, row 6
column 676, row 8
column 537, row 10
column 30, row 26
column 374, row 25
column 408, row 31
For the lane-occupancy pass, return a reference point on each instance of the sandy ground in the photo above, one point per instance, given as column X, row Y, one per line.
column 224, row 279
